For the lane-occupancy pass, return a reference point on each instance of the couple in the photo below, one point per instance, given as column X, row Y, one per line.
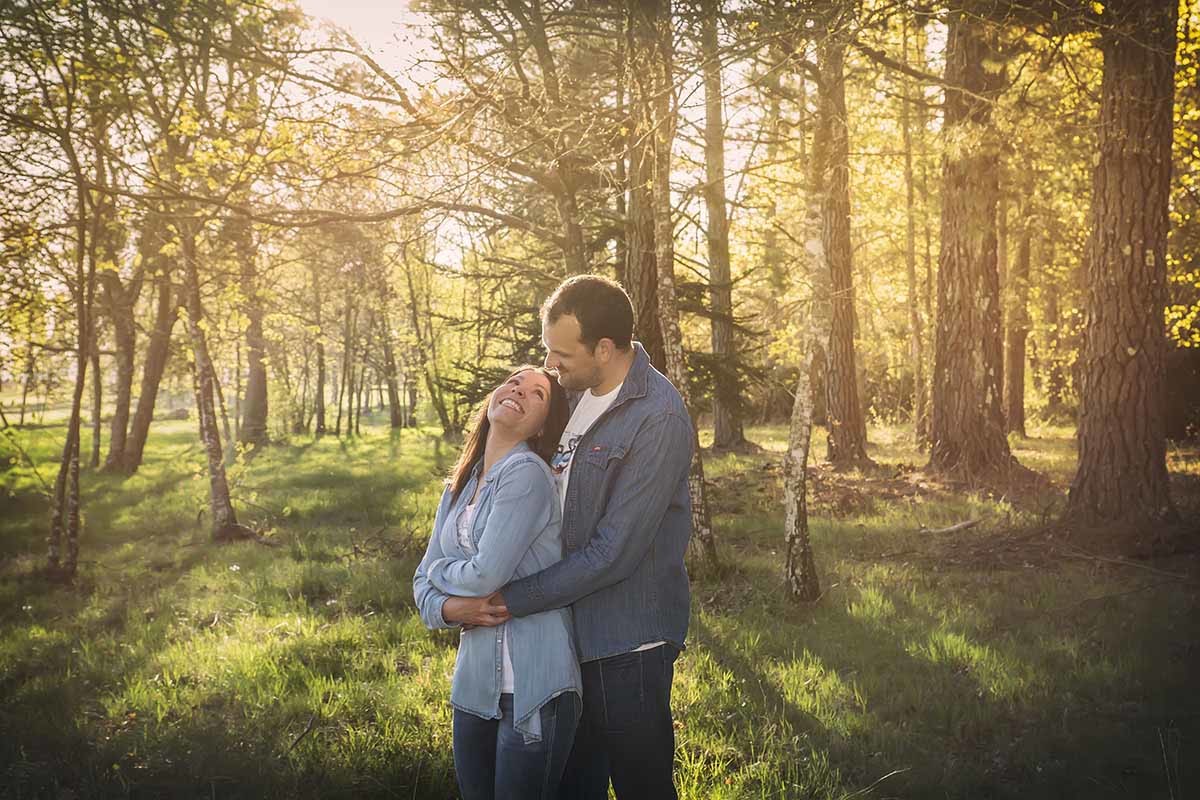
column 558, row 547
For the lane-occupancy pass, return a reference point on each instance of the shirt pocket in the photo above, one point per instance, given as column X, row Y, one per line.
column 600, row 455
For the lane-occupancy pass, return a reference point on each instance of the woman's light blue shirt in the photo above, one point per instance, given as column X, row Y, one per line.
column 516, row 532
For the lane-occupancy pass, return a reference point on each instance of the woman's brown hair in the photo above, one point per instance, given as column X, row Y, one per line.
column 544, row 443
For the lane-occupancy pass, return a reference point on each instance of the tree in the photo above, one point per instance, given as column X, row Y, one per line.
column 652, row 24
column 967, row 421
column 1122, row 472
column 727, row 423
column 847, row 443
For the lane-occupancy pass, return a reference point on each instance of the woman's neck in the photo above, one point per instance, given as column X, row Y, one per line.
column 499, row 442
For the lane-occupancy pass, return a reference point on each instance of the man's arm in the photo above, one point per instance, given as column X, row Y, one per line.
column 524, row 503
column 654, row 466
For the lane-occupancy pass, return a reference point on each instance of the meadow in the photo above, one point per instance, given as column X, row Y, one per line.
column 998, row 661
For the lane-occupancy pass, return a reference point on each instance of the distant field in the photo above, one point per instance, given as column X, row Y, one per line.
column 992, row 662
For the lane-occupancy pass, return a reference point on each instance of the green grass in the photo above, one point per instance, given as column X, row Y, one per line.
column 933, row 666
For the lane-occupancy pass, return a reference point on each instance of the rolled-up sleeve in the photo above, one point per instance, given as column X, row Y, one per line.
column 640, row 495
column 428, row 597
column 523, row 502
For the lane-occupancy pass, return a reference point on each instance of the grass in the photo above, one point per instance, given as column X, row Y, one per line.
column 933, row 666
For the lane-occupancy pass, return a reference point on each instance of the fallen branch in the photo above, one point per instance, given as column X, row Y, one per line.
column 960, row 526
column 1079, row 552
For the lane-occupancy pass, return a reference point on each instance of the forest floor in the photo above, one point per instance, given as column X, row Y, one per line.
column 1009, row 659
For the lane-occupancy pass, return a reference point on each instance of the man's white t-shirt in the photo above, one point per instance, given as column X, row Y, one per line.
column 586, row 412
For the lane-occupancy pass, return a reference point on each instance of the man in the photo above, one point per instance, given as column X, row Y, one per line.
column 622, row 469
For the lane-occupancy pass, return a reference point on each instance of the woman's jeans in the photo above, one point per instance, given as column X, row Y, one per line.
column 492, row 761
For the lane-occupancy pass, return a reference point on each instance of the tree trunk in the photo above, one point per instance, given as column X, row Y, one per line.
column 967, row 418
column 27, row 384
column 652, row 24
column 158, row 351
column 727, row 423
column 916, row 343
column 847, row 442
column 799, row 563
column 1122, row 473
column 395, row 407
column 224, row 519
column 63, row 541
column 1017, row 330
column 97, row 403
column 253, row 428
column 641, row 275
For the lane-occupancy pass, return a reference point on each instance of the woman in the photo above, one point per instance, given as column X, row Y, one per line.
column 516, row 693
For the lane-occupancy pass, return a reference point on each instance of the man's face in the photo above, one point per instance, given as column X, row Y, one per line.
column 576, row 365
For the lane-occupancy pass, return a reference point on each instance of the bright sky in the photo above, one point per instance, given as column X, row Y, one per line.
column 388, row 30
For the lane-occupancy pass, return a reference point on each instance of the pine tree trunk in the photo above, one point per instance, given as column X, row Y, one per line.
column 652, row 21
column 727, row 423
column 847, row 443
column 224, row 520
column 1122, row 472
column 1017, row 331
column 967, row 425
column 641, row 271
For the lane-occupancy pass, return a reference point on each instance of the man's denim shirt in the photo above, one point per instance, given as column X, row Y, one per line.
column 626, row 524
column 517, row 532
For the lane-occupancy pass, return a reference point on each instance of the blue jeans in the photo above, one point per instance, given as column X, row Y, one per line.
column 626, row 732
column 492, row 761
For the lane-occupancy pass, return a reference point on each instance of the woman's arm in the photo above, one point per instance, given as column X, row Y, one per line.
column 523, row 505
column 428, row 597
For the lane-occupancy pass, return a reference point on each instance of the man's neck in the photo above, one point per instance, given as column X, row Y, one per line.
column 615, row 375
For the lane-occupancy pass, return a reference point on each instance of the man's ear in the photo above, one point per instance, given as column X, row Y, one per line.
column 605, row 350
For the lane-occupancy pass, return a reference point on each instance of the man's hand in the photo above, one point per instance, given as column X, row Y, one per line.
column 474, row 612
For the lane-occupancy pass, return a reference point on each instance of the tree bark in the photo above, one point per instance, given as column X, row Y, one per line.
column 916, row 334
column 727, row 423
column 967, row 425
column 254, row 411
column 1017, row 329
column 799, row 562
column 652, row 21
column 847, row 442
column 1122, row 472
column 97, row 403
column 641, row 275
column 158, row 351
column 395, row 407
column 224, row 519
column 120, row 302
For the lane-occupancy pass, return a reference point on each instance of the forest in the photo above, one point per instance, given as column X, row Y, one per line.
column 925, row 272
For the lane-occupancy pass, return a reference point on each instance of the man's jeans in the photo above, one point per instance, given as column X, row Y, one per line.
column 491, row 760
column 626, row 731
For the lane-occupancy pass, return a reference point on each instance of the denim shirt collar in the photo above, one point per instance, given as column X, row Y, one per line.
column 519, row 447
column 633, row 386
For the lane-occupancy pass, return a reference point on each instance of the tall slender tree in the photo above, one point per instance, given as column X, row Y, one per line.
column 727, row 422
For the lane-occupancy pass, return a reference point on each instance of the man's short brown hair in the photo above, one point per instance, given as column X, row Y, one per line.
column 601, row 306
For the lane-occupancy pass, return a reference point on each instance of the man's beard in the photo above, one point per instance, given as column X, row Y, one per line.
column 580, row 380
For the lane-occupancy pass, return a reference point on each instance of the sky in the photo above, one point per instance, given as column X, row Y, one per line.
column 387, row 29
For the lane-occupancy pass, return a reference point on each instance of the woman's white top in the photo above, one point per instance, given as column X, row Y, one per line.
column 463, row 529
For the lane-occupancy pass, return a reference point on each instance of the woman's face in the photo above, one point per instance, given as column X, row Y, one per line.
column 521, row 403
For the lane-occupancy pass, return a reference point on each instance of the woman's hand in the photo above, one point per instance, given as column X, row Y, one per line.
column 475, row 612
